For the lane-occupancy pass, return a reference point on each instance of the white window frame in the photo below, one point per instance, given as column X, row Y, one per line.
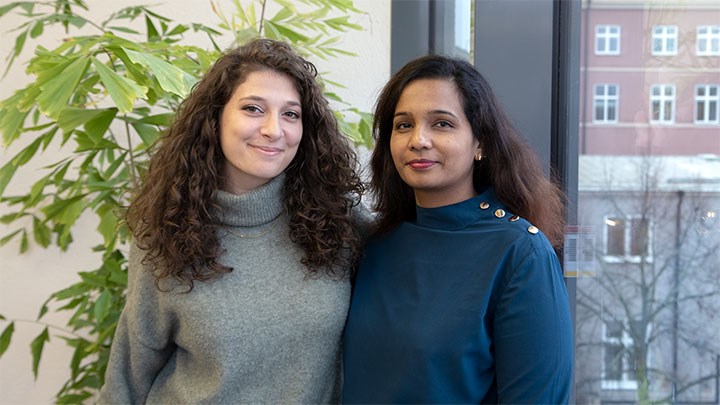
column 626, row 256
column 663, row 101
column 708, row 40
column 605, row 34
column 627, row 380
column 666, row 36
column 605, row 99
column 710, row 103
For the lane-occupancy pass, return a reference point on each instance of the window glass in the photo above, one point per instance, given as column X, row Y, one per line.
column 607, row 40
column 664, row 40
column 648, row 261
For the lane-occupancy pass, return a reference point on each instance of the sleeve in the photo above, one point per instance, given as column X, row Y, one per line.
column 533, row 333
column 142, row 343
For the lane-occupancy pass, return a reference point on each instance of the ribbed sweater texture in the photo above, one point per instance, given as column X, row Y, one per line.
column 264, row 333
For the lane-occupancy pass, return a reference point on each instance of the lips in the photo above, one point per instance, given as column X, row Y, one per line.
column 267, row 150
column 420, row 164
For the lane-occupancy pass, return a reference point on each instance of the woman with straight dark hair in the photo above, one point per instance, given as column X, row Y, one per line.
column 243, row 242
column 459, row 297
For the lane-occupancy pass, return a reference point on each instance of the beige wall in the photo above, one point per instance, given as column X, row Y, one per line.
column 27, row 280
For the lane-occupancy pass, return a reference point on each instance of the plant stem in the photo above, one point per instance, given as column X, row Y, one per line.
column 131, row 154
column 262, row 17
column 65, row 331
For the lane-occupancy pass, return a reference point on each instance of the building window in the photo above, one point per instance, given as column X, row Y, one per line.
column 707, row 104
column 662, row 104
column 618, row 364
column 607, row 40
column 605, row 103
column 664, row 40
column 708, row 40
column 627, row 239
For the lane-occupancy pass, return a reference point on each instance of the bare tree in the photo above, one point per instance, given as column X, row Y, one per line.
column 648, row 314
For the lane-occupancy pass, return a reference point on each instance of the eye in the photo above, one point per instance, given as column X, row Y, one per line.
column 292, row 114
column 253, row 109
column 444, row 124
column 402, row 126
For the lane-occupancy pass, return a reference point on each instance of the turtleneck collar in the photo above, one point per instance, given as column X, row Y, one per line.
column 455, row 216
column 254, row 208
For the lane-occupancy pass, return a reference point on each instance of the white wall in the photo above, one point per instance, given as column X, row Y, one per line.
column 26, row 281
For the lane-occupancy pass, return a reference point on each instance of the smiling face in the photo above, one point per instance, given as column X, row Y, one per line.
column 260, row 130
column 432, row 143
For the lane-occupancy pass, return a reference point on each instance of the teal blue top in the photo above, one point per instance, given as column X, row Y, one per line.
column 467, row 304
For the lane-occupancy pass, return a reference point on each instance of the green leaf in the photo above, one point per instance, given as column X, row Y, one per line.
column 7, row 238
column 283, row 32
column 152, row 33
column 37, row 29
column 24, row 245
column 164, row 120
column 6, row 337
column 57, row 91
column 6, row 174
column 42, row 233
column 11, row 124
column 36, row 347
column 5, row 9
column 102, row 306
column 170, row 77
column 122, row 91
column 71, row 118
column 108, row 225
column 148, row 133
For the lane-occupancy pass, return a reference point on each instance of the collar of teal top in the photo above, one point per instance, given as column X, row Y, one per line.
column 456, row 216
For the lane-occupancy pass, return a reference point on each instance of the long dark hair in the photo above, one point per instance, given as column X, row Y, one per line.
column 170, row 215
column 508, row 164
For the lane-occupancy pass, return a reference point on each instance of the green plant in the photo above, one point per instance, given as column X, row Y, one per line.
column 109, row 95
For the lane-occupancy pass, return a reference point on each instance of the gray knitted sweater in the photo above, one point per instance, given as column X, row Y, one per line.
column 266, row 332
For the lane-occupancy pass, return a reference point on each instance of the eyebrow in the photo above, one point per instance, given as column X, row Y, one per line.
column 431, row 112
column 258, row 98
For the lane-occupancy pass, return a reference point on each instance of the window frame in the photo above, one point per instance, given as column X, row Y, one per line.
column 665, row 39
column 706, row 100
column 606, row 99
column 626, row 256
column 709, row 38
column 607, row 36
column 662, row 99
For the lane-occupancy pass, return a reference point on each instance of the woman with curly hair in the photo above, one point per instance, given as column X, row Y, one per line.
column 459, row 295
column 246, row 227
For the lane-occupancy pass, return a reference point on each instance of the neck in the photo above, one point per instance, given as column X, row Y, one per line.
column 426, row 199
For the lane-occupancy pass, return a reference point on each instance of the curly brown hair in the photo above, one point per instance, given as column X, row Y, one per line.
column 170, row 216
column 508, row 164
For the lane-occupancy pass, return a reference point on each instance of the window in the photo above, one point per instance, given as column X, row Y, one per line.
column 607, row 40
column 708, row 40
column 707, row 104
column 627, row 239
column 605, row 103
column 662, row 104
column 664, row 40
column 618, row 364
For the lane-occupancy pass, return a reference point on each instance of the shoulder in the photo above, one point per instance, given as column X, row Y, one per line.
column 363, row 218
column 493, row 213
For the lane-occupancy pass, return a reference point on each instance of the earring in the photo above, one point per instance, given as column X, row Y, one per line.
column 478, row 155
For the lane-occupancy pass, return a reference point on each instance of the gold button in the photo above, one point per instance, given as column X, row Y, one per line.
column 499, row 213
column 532, row 229
column 484, row 205
column 514, row 218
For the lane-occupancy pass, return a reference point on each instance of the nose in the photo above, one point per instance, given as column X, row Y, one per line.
column 271, row 127
column 420, row 139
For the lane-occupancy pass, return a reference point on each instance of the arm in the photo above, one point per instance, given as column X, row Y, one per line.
column 142, row 343
column 533, row 335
